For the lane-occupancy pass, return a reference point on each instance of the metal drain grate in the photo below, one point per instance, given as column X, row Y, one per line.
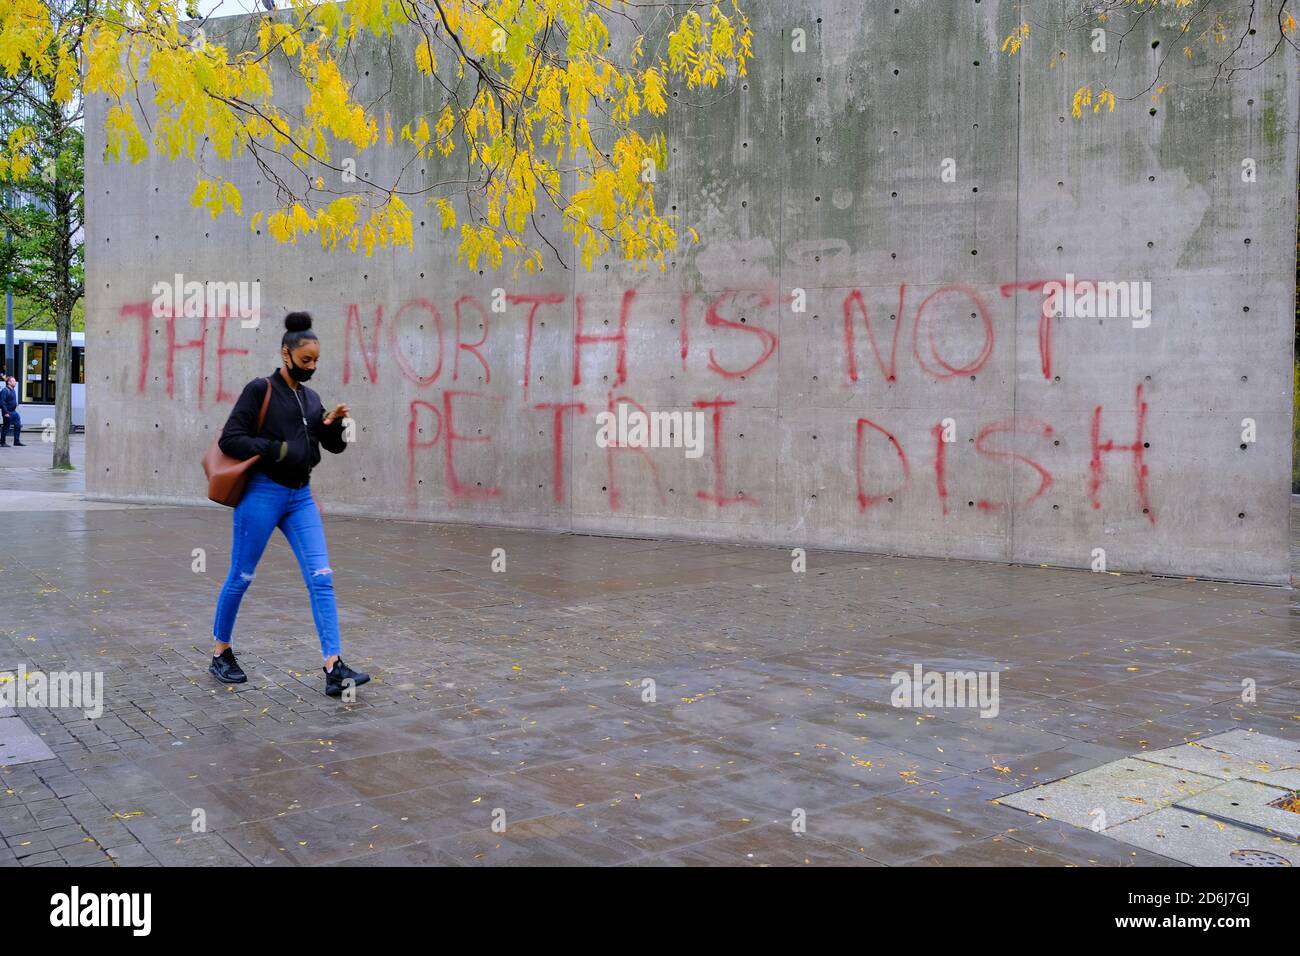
column 1290, row 802
column 1258, row 858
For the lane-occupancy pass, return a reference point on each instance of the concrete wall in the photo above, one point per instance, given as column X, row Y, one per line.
column 821, row 173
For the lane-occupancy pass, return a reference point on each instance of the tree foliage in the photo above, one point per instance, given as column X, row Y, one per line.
column 533, row 100
column 41, row 170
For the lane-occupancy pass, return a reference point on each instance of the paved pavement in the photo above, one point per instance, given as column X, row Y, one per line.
column 521, row 698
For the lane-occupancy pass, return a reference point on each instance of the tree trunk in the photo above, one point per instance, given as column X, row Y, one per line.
column 64, row 297
column 63, row 387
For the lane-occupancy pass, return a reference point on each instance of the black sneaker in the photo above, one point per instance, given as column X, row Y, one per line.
column 226, row 669
column 336, row 677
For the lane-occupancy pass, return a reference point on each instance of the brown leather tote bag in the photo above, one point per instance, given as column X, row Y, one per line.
column 227, row 476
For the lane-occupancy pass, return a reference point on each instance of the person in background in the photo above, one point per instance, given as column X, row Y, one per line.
column 9, row 409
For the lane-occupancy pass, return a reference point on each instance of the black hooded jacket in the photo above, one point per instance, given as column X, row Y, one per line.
column 284, row 423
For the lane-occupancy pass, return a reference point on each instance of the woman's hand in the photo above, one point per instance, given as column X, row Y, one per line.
column 340, row 411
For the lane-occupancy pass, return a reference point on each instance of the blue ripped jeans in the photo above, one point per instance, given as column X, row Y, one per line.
column 265, row 506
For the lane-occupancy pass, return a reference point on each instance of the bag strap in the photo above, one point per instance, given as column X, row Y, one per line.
column 266, row 403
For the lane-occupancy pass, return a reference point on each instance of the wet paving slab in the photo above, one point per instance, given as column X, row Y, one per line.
column 613, row 701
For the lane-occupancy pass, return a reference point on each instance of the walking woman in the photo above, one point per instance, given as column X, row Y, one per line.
column 278, row 495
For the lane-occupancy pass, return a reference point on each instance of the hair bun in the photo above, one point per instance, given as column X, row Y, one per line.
column 297, row 322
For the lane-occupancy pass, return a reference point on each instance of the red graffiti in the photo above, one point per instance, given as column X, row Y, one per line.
column 445, row 429
column 865, row 500
column 718, row 497
column 403, row 365
column 454, row 485
column 222, row 352
column 611, row 484
column 144, row 312
column 471, row 347
column 1014, row 426
column 557, row 427
column 938, row 324
column 368, row 355
column 201, row 343
column 940, row 466
column 1045, row 313
column 581, row 338
column 414, row 444
column 683, row 335
column 536, row 301
column 950, row 371
column 854, row 300
column 713, row 318
column 1137, row 449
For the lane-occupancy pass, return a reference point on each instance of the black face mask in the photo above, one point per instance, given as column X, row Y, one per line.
column 299, row 374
